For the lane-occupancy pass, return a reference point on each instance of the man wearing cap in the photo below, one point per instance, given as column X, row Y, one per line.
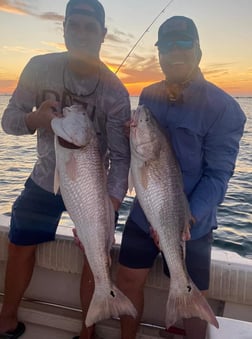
column 49, row 83
column 205, row 126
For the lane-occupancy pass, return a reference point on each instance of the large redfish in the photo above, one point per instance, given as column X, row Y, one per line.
column 82, row 179
column 159, row 188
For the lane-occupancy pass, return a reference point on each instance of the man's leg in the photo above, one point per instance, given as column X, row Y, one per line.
column 195, row 328
column 29, row 226
column 20, row 264
column 131, row 282
column 198, row 260
column 137, row 255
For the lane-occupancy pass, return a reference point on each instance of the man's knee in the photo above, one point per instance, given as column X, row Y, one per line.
column 131, row 278
column 21, row 253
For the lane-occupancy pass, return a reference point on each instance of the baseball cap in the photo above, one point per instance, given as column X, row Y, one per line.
column 177, row 28
column 93, row 8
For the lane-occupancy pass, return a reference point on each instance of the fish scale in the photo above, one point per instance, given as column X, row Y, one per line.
column 81, row 176
column 158, row 184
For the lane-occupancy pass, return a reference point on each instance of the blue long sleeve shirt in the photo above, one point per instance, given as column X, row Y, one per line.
column 205, row 128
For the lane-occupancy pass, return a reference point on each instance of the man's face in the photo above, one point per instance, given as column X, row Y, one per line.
column 178, row 64
column 83, row 36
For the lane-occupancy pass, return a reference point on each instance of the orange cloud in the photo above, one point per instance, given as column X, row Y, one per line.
column 21, row 8
column 7, row 6
column 231, row 80
column 141, row 70
column 52, row 16
column 137, row 72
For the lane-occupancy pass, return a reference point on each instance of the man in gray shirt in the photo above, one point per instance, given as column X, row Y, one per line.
column 47, row 84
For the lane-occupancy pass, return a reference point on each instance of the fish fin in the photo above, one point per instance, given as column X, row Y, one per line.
column 71, row 168
column 111, row 230
column 109, row 304
column 56, row 183
column 188, row 304
column 144, row 176
column 130, row 181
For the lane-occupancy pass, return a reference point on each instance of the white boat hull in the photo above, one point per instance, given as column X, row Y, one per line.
column 53, row 305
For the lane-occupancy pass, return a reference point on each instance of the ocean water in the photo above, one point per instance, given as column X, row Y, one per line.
column 18, row 154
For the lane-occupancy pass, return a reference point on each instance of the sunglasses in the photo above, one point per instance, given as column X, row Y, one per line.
column 181, row 44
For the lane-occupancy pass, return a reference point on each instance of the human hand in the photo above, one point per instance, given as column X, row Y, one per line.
column 42, row 117
column 186, row 235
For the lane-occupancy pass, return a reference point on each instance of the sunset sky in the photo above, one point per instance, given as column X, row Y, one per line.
column 31, row 27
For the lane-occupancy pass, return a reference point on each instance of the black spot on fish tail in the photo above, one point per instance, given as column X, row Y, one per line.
column 112, row 294
column 189, row 288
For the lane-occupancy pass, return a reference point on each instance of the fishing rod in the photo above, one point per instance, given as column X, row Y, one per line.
column 140, row 38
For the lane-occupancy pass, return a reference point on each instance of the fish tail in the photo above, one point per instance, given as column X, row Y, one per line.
column 188, row 305
column 105, row 305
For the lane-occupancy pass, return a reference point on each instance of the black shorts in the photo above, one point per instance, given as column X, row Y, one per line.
column 35, row 215
column 138, row 250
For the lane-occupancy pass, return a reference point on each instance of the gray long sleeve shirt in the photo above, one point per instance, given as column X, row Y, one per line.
column 104, row 97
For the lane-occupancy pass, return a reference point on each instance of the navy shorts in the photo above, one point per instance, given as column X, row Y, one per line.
column 35, row 215
column 138, row 250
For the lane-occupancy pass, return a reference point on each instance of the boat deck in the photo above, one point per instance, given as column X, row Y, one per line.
column 52, row 322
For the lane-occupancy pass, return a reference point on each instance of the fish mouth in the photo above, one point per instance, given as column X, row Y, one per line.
column 136, row 114
column 58, row 128
column 64, row 138
column 74, row 128
column 67, row 144
column 134, row 121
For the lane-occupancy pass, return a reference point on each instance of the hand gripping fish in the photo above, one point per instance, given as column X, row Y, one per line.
column 81, row 176
column 158, row 183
